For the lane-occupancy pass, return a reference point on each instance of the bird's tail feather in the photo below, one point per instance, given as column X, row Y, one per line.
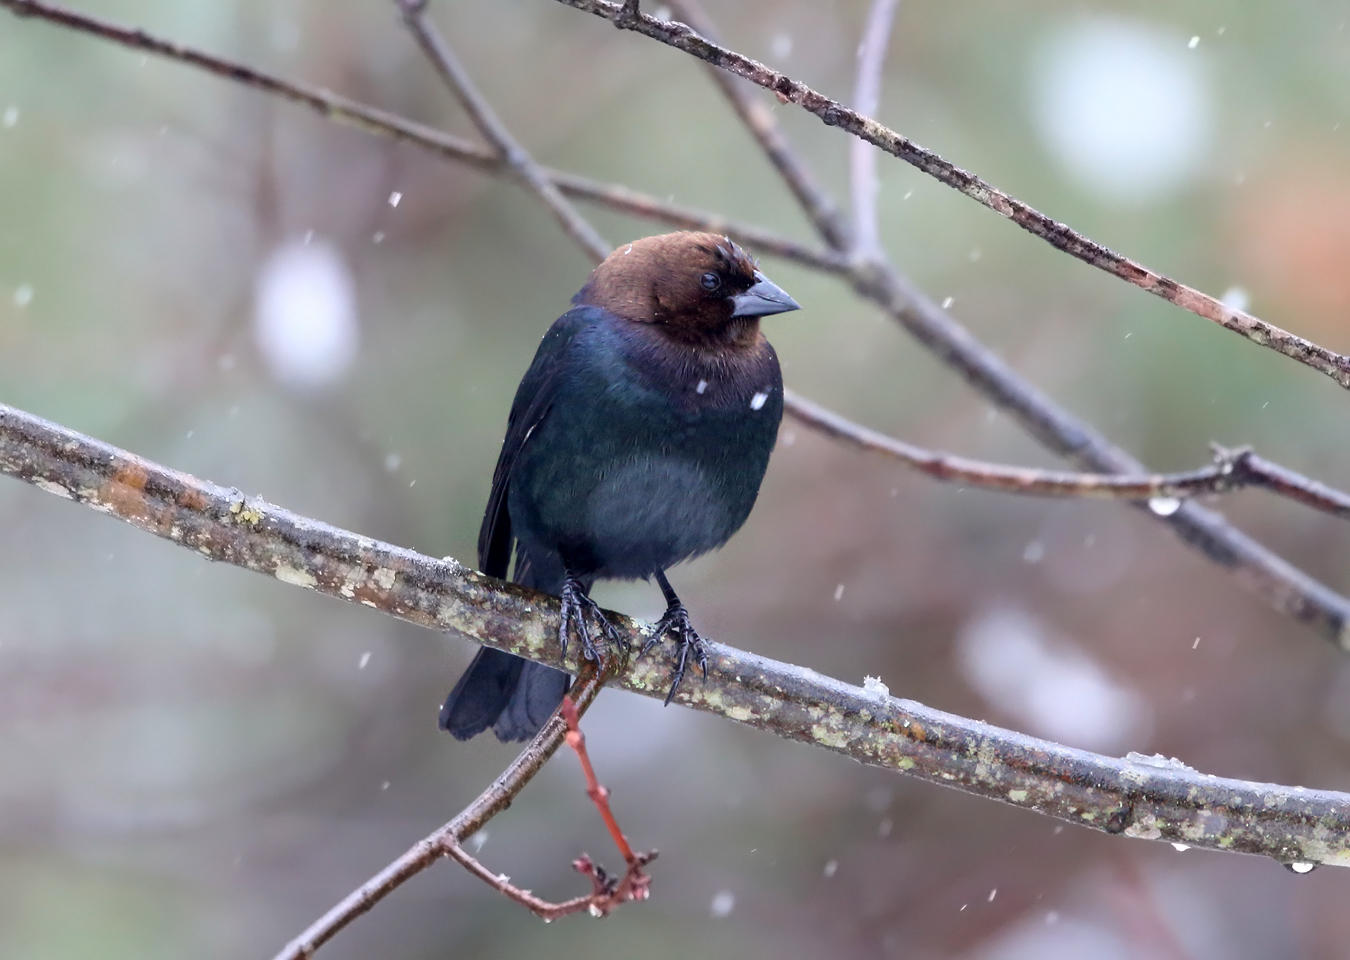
column 511, row 695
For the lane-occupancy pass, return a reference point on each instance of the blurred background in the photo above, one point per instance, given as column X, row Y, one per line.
column 199, row 761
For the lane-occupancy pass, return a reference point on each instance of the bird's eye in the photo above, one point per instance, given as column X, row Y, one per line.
column 711, row 281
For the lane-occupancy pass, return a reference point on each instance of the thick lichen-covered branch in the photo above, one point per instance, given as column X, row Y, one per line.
column 1132, row 796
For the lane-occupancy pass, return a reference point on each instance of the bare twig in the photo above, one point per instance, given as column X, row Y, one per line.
column 1283, row 586
column 1232, row 469
column 814, row 201
column 446, row 841
column 1058, row 235
column 1138, row 798
column 443, row 58
column 635, row 883
column 866, row 99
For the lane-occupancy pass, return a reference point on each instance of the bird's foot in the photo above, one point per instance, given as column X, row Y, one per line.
column 577, row 608
column 676, row 620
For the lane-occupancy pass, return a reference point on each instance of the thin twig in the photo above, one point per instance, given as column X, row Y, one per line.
column 1232, row 469
column 867, row 99
column 446, row 841
column 443, row 58
column 1060, row 236
column 1140, row 798
column 635, row 884
column 1285, row 587
column 814, row 201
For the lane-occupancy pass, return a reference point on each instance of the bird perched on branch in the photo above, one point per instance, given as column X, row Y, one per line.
column 638, row 438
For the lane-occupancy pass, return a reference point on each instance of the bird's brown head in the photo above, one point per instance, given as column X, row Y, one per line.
column 700, row 288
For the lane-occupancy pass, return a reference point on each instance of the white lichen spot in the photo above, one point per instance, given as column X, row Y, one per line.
column 347, row 590
column 739, row 713
column 368, row 603
column 757, row 401
column 384, row 578
column 53, row 488
column 1145, row 828
column 876, row 685
column 1017, row 796
column 1181, row 847
column 295, row 576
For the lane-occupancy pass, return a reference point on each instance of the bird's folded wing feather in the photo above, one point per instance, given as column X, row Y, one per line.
column 533, row 400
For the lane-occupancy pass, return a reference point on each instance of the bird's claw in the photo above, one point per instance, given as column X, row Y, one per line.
column 577, row 606
column 676, row 620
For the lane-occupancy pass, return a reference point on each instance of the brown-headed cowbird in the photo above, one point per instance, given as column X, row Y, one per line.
column 638, row 438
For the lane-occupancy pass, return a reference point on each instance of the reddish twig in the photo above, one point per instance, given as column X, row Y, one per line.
column 636, row 883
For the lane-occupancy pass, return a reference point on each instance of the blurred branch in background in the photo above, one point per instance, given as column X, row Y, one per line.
column 695, row 42
column 1146, row 797
column 866, row 99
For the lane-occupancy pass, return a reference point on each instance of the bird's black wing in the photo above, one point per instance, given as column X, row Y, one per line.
column 534, row 397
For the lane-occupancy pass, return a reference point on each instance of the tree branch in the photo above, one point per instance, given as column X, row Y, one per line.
column 1137, row 797
column 443, row 58
column 1232, row 469
column 447, row 840
column 814, row 201
column 1060, row 236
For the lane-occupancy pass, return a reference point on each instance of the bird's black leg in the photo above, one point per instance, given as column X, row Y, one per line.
column 577, row 606
column 676, row 620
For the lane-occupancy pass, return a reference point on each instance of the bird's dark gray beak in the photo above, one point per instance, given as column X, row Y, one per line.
column 763, row 299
